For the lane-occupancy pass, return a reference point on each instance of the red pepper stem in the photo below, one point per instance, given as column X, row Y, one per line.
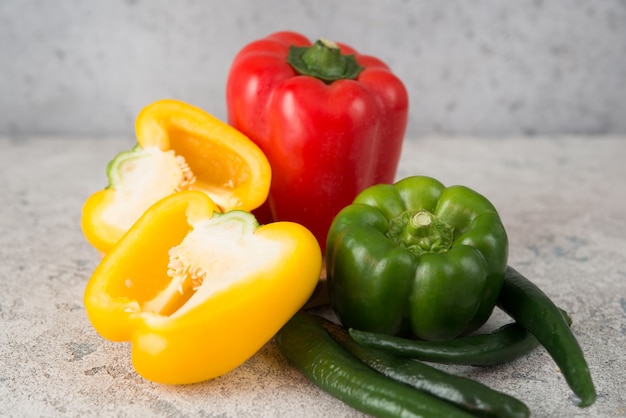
column 421, row 232
column 323, row 60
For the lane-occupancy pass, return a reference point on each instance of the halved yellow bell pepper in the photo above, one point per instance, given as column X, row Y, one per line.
column 180, row 147
column 198, row 292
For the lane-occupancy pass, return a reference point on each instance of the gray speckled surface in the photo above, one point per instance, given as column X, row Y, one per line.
column 562, row 200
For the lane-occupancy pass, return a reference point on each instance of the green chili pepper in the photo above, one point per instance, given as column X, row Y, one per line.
column 418, row 257
column 505, row 344
column 465, row 393
column 534, row 310
column 309, row 347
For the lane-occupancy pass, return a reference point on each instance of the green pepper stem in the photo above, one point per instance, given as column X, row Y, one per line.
column 421, row 232
column 323, row 60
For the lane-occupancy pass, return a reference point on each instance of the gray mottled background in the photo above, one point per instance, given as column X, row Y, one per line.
column 489, row 68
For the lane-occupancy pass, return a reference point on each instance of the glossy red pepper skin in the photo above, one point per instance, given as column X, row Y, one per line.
column 325, row 142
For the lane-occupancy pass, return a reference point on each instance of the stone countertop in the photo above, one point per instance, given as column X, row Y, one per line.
column 562, row 200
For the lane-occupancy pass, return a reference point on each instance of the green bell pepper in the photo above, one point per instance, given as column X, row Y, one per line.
column 416, row 257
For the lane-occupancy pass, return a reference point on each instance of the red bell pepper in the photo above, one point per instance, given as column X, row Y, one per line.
column 330, row 121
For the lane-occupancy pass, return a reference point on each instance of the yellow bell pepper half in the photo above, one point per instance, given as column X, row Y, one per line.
column 198, row 292
column 180, row 147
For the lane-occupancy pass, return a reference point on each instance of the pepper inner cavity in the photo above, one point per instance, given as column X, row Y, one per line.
column 144, row 176
column 216, row 254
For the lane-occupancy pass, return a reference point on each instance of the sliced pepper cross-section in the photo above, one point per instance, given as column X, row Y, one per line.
column 180, row 147
column 198, row 292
